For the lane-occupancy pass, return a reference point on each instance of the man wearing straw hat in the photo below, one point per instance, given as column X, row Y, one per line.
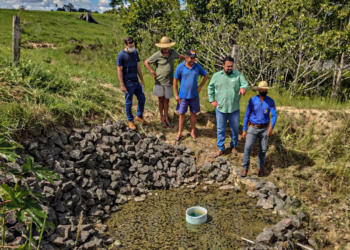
column 257, row 115
column 163, row 89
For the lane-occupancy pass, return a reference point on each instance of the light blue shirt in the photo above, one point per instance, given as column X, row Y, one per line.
column 188, row 79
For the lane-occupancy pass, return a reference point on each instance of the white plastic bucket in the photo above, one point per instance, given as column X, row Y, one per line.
column 196, row 215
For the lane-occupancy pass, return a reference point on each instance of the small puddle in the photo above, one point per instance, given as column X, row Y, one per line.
column 160, row 221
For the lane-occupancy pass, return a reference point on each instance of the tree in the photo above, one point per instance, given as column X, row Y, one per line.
column 115, row 3
column 69, row 7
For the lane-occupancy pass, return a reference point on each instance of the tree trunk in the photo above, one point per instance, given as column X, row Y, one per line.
column 337, row 77
column 88, row 17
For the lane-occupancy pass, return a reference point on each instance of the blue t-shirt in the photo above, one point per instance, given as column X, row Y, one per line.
column 188, row 79
column 129, row 62
column 259, row 112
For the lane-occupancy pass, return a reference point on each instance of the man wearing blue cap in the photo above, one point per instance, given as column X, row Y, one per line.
column 188, row 96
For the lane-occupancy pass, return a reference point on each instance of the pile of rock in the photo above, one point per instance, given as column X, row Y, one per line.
column 101, row 168
column 288, row 230
column 106, row 166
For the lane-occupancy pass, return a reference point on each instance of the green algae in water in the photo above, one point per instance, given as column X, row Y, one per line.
column 196, row 213
column 160, row 221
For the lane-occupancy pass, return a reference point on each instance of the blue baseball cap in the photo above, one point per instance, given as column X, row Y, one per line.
column 191, row 53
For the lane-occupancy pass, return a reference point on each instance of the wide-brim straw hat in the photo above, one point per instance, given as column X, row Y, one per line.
column 165, row 42
column 262, row 85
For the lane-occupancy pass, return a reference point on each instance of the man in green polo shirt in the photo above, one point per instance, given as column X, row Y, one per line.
column 225, row 90
column 164, row 75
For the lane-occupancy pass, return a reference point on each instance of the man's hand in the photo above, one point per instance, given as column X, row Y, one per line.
column 241, row 91
column 214, row 104
column 270, row 132
column 177, row 98
column 199, row 89
column 154, row 74
column 244, row 135
column 123, row 89
column 142, row 83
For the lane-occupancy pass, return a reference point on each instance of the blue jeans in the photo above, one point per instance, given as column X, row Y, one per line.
column 233, row 123
column 134, row 88
column 252, row 134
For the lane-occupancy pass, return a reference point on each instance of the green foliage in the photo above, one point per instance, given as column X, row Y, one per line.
column 301, row 46
column 156, row 16
column 18, row 200
column 7, row 149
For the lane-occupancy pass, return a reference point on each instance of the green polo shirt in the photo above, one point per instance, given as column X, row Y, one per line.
column 165, row 67
column 224, row 89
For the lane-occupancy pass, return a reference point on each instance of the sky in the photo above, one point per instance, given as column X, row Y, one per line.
column 99, row 5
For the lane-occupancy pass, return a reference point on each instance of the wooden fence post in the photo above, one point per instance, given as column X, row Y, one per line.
column 235, row 54
column 16, row 39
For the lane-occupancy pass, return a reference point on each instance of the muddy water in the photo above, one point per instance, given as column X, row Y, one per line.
column 159, row 222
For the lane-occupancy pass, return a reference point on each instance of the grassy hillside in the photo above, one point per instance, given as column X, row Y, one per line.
column 67, row 76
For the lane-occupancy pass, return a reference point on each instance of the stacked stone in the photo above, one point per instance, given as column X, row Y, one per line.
column 218, row 170
column 100, row 169
column 288, row 230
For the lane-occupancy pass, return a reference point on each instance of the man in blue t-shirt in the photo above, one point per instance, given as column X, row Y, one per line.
column 187, row 73
column 128, row 68
column 257, row 117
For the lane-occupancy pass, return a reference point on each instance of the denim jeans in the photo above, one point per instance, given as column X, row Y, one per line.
column 134, row 88
column 252, row 134
column 233, row 123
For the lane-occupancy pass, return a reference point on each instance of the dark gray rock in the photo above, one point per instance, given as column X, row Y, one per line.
column 221, row 160
column 299, row 235
column 134, row 181
column 260, row 185
column 68, row 185
column 76, row 154
column 94, row 243
column 281, row 195
column 121, row 199
column 145, row 177
column 193, row 170
column 143, row 170
column 62, row 231
column 253, row 194
column 267, row 237
column 208, row 167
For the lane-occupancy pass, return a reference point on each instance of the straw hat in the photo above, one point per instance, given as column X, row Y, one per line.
column 261, row 85
column 164, row 42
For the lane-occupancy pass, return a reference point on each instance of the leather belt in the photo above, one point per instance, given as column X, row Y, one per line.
column 260, row 125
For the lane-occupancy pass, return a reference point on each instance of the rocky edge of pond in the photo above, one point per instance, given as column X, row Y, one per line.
column 104, row 167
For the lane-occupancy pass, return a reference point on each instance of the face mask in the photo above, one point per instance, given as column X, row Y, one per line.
column 131, row 49
column 229, row 72
column 263, row 94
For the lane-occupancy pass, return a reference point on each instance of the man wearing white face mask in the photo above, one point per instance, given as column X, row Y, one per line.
column 128, row 68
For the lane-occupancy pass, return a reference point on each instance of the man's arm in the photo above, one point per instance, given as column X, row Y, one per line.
column 139, row 72
column 175, row 84
column 182, row 57
column 148, row 66
column 205, row 78
column 243, row 85
column 120, row 77
column 273, row 117
column 247, row 116
column 211, row 92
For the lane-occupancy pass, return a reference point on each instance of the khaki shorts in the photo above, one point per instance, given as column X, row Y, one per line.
column 163, row 91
